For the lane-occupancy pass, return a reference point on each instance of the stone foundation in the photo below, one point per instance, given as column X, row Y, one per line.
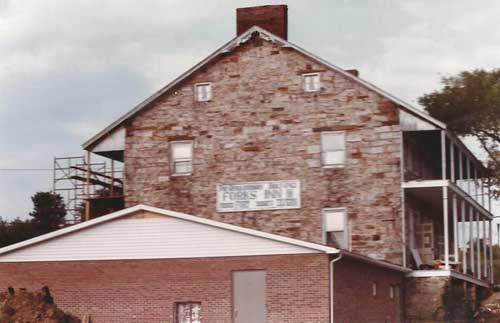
column 439, row 299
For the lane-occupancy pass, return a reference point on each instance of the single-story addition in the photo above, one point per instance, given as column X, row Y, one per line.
column 145, row 264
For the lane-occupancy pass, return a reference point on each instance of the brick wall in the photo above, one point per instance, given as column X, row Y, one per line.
column 353, row 298
column 146, row 290
column 261, row 125
column 271, row 18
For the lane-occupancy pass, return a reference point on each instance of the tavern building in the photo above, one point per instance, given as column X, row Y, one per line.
column 266, row 184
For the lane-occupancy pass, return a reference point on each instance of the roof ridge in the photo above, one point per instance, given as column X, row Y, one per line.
column 229, row 46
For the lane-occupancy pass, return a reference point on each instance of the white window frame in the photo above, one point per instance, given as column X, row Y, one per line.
column 323, row 151
column 304, row 87
column 324, row 213
column 173, row 161
column 210, row 94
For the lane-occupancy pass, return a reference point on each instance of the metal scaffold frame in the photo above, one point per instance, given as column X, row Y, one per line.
column 79, row 181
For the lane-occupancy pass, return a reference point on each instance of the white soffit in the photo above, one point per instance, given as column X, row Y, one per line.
column 409, row 122
column 114, row 141
column 144, row 232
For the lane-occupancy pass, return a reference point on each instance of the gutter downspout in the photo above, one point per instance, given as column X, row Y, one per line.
column 331, row 286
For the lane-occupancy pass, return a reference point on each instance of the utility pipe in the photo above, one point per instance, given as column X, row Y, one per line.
column 331, row 286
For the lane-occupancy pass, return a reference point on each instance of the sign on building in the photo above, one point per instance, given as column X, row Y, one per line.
column 255, row 196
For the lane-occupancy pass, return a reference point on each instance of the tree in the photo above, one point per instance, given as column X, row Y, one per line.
column 469, row 103
column 49, row 211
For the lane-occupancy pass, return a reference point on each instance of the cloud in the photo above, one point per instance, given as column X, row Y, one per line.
column 69, row 68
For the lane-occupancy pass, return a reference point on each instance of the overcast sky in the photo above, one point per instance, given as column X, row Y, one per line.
column 69, row 68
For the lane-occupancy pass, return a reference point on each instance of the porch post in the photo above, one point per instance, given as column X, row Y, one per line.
column 452, row 161
column 489, row 193
column 443, row 154
column 482, row 191
column 471, row 241
column 464, row 241
column 485, row 249
column 478, row 245
column 491, row 252
column 455, row 228
column 460, row 167
column 446, row 229
column 475, row 196
column 468, row 177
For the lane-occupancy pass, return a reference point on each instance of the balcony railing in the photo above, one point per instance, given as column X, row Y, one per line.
column 459, row 185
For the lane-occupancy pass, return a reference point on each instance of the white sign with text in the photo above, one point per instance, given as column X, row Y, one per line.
column 255, row 196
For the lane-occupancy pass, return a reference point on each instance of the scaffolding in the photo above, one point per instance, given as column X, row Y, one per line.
column 88, row 188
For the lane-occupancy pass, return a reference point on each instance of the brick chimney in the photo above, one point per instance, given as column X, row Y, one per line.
column 270, row 18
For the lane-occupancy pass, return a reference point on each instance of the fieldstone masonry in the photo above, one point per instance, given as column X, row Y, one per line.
column 260, row 125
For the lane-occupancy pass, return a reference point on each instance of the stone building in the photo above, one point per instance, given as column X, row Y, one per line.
column 266, row 137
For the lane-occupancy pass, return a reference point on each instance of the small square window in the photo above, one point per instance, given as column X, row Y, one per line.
column 188, row 312
column 335, row 226
column 311, row 82
column 333, row 151
column 181, row 157
column 203, row 91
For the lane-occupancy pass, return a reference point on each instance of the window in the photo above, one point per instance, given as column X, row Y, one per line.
column 203, row 91
column 333, row 152
column 374, row 289
column 311, row 82
column 181, row 157
column 391, row 292
column 188, row 312
column 335, row 227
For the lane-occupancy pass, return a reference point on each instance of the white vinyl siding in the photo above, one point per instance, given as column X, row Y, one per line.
column 335, row 227
column 181, row 157
column 160, row 237
column 333, row 150
column 311, row 82
column 203, row 91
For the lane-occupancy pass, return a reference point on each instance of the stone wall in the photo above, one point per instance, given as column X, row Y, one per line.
column 439, row 299
column 260, row 125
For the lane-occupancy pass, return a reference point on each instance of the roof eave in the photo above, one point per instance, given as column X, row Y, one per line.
column 140, row 207
column 236, row 42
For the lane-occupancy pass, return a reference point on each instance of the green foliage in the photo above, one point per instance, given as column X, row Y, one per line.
column 48, row 215
column 496, row 264
column 48, row 212
column 469, row 103
column 16, row 231
column 457, row 302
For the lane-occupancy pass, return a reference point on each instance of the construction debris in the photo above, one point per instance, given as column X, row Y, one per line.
column 490, row 309
column 25, row 307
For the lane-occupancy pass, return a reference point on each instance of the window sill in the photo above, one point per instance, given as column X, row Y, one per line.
column 332, row 166
column 181, row 175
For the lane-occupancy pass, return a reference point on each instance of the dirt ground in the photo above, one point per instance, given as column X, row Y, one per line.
column 21, row 306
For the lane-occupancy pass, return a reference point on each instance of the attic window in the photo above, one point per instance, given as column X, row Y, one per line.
column 311, row 82
column 203, row 91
